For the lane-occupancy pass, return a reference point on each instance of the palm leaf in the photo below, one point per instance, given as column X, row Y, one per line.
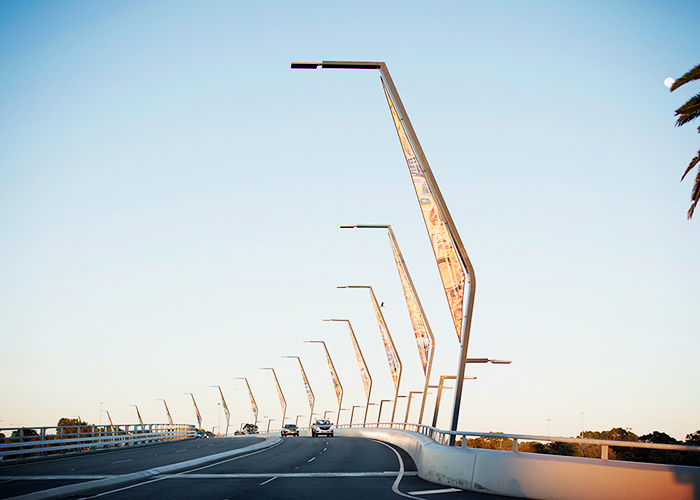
column 689, row 111
column 695, row 195
column 692, row 74
column 692, row 163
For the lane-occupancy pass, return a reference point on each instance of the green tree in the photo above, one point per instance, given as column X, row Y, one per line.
column 693, row 439
column 687, row 113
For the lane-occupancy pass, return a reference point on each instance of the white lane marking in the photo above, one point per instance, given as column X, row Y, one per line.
column 182, row 474
column 271, row 479
column 123, row 461
column 311, row 459
column 54, row 478
column 180, row 451
column 432, row 492
column 395, row 486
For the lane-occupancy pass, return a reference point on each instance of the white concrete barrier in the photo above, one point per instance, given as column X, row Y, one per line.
column 544, row 477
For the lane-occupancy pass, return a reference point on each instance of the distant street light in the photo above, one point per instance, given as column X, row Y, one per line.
column 253, row 404
column 548, row 421
column 392, row 354
column 101, row 403
column 138, row 414
column 167, row 412
column 268, row 423
column 325, row 414
column 226, row 412
column 439, row 393
column 309, row 392
column 408, row 405
column 283, row 401
column 381, row 403
column 364, row 371
column 196, row 410
column 297, row 420
column 334, row 375
column 352, row 413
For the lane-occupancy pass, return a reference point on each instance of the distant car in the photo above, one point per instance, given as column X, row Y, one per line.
column 201, row 434
column 322, row 427
column 290, row 430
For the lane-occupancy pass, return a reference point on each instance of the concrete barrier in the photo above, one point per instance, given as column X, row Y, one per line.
column 544, row 477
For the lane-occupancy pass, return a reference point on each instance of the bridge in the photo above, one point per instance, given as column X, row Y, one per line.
column 374, row 461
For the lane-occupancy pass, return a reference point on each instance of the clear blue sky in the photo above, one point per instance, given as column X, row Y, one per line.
column 171, row 195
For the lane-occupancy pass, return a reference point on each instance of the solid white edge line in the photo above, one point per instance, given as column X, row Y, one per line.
column 395, row 486
column 432, row 492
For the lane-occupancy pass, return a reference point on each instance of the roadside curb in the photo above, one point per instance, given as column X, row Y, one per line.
column 72, row 489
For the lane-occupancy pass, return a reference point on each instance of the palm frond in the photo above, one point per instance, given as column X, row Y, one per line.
column 692, row 163
column 694, row 196
column 689, row 111
column 690, row 75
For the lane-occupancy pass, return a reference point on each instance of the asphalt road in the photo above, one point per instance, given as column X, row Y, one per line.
column 55, row 470
column 296, row 468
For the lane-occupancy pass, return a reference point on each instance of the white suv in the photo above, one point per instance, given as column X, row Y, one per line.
column 322, row 427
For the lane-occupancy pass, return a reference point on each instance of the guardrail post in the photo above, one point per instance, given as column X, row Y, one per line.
column 604, row 452
column 515, row 445
column 464, row 441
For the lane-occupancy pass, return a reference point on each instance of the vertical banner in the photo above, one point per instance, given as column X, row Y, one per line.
column 392, row 358
column 364, row 373
column 309, row 394
column 334, row 376
column 254, row 406
column 419, row 324
column 170, row 419
column 449, row 264
column 196, row 410
column 226, row 412
column 283, row 402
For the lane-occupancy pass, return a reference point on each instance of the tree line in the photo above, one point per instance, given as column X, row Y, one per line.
column 670, row 457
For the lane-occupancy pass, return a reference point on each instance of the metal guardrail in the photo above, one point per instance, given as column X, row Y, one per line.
column 48, row 440
column 443, row 437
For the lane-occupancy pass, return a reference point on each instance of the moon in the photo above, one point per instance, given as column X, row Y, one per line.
column 669, row 81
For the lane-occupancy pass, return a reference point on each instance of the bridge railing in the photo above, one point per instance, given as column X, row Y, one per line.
column 443, row 437
column 22, row 441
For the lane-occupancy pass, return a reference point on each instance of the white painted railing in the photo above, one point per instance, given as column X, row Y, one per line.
column 443, row 437
column 86, row 437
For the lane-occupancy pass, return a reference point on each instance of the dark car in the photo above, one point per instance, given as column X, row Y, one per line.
column 290, row 430
column 322, row 427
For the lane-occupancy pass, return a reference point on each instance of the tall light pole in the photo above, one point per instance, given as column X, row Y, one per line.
column 297, row 420
column 421, row 328
column 309, row 392
column 456, row 270
column 392, row 355
column 381, row 403
column 352, row 413
column 196, row 410
column 548, row 421
column 283, row 402
column 101, row 403
column 334, row 375
column 253, row 404
column 439, row 394
column 325, row 414
column 408, row 405
column 364, row 371
column 268, row 424
column 138, row 414
column 167, row 412
column 226, row 412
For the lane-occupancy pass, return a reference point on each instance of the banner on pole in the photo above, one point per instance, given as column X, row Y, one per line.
column 449, row 264
column 391, row 356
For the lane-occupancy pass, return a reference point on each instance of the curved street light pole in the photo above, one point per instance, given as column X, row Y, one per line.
column 419, row 168
column 253, row 404
column 309, row 392
column 170, row 419
column 334, row 375
column 196, row 410
column 226, row 412
column 388, row 342
column 419, row 320
column 364, row 371
column 283, row 401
